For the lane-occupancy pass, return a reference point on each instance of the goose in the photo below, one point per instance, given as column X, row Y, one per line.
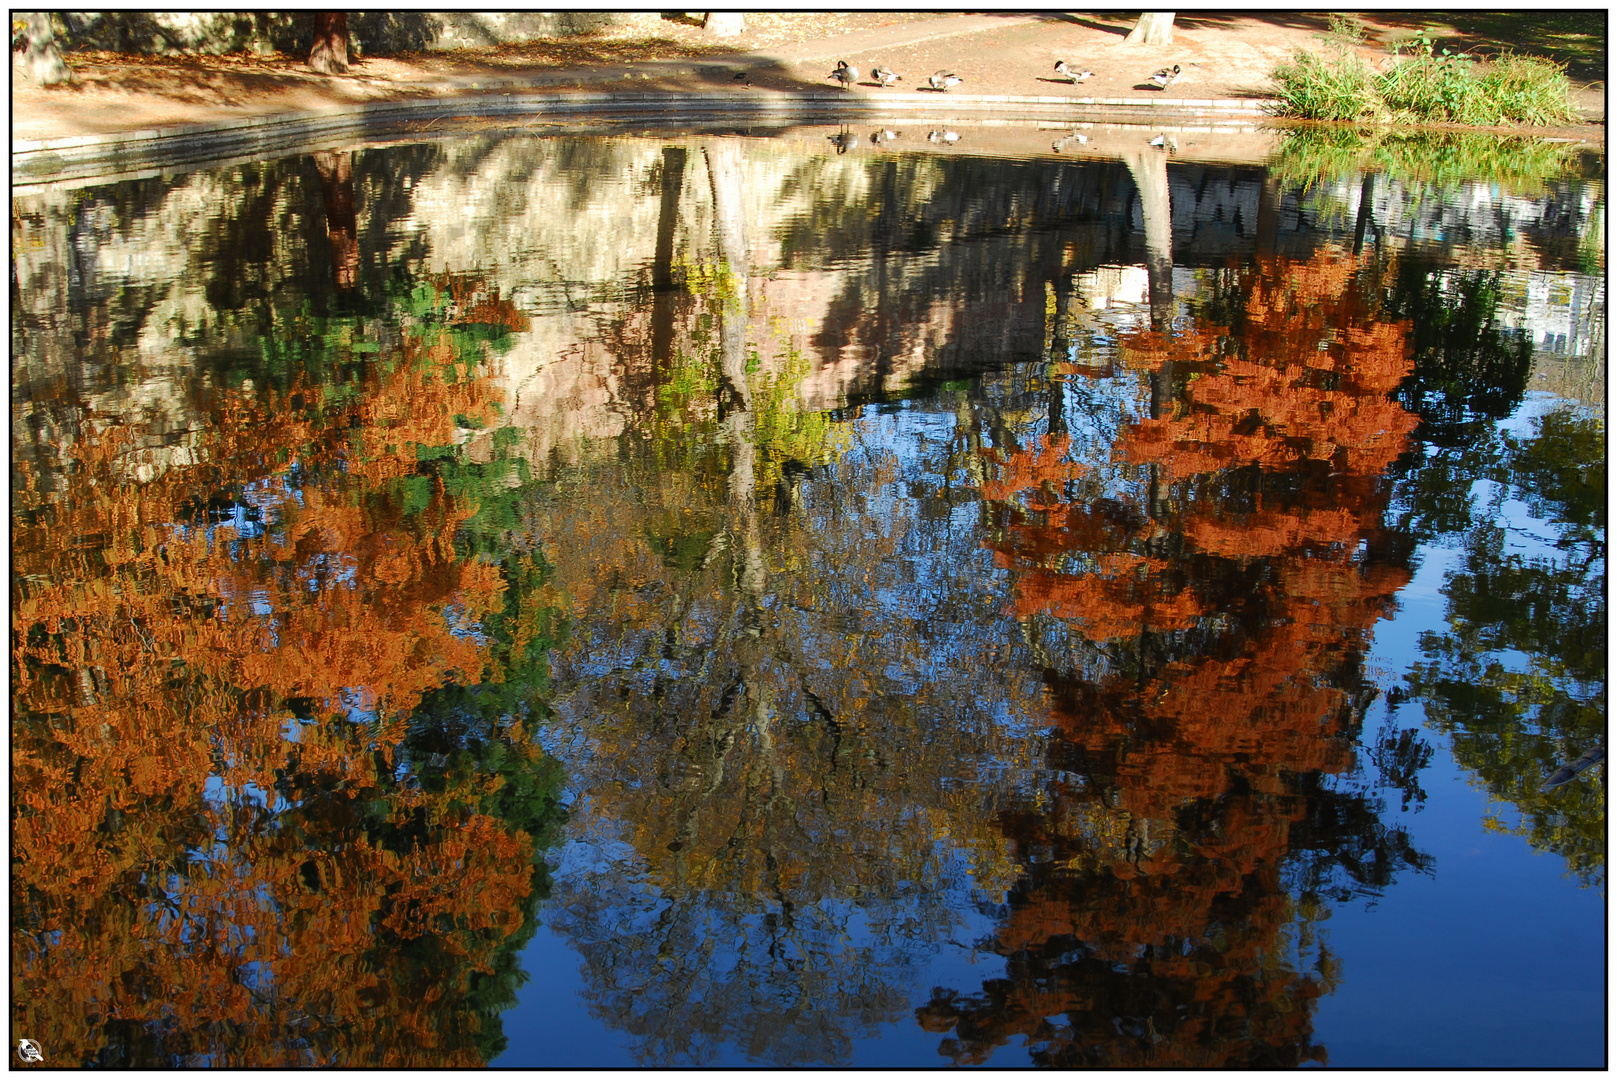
column 845, row 74
column 943, row 80
column 1072, row 76
column 1065, row 139
column 883, row 135
column 843, row 139
column 943, row 136
column 1165, row 77
column 884, row 76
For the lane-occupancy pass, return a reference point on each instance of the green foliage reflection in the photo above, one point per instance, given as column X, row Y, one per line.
column 1518, row 679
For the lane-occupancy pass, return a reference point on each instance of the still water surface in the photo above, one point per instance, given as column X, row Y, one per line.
column 707, row 601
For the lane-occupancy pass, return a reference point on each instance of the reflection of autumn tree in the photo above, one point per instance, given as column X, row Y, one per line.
column 792, row 758
column 779, row 704
column 252, row 826
column 1216, row 584
column 1518, row 677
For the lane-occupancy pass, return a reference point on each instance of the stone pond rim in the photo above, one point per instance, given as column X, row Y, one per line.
column 76, row 157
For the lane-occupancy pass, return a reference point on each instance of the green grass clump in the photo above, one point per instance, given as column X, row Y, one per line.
column 1423, row 86
column 1334, row 86
column 1529, row 90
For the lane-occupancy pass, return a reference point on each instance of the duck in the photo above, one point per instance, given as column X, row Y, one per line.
column 944, row 136
column 1072, row 76
column 1065, row 139
column 884, row 76
column 943, row 80
column 883, row 135
column 845, row 73
column 1165, row 77
column 1166, row 142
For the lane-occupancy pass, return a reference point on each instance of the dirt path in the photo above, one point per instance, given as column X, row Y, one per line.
column 1221, row 56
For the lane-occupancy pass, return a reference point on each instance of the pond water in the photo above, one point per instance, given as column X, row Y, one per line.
column 690, row 600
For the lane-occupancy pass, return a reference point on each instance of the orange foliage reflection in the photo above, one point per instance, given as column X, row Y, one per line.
column 1226, row 610
column 216, row 648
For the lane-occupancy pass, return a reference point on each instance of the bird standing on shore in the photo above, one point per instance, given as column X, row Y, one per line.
column 1070, row 75
column 1166, row 142
column 883, row 135
column 943, row 80
column 1165, row 77
column 944, row 136
column 1065, row 140
column 884, row 76
column 845, row 74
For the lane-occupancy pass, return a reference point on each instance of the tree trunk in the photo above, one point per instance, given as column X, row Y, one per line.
column 342, row 224
column 1366, row 218
column 724, row 23
column 1269, row 196
column 1150, row 171
column 730, row 224
column 665, row 289
column 1154, row 28
column 329, row 56
column 38, row 58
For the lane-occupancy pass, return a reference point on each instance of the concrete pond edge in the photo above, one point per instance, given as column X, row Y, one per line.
column 43, row 162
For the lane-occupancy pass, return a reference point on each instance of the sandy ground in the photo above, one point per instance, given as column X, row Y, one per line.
column 1220, row 55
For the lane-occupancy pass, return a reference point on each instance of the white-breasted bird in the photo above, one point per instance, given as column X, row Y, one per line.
column 1075, row 137
column 1070, row 75
column 944, row 136
column 884, row 76
column 845, row 74
column 1166, row 142
column 1165, row 78
column 883, row 135
column 943, row 80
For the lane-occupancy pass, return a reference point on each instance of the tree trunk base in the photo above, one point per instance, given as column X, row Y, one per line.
column 724, row 23
column 1154, row 28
